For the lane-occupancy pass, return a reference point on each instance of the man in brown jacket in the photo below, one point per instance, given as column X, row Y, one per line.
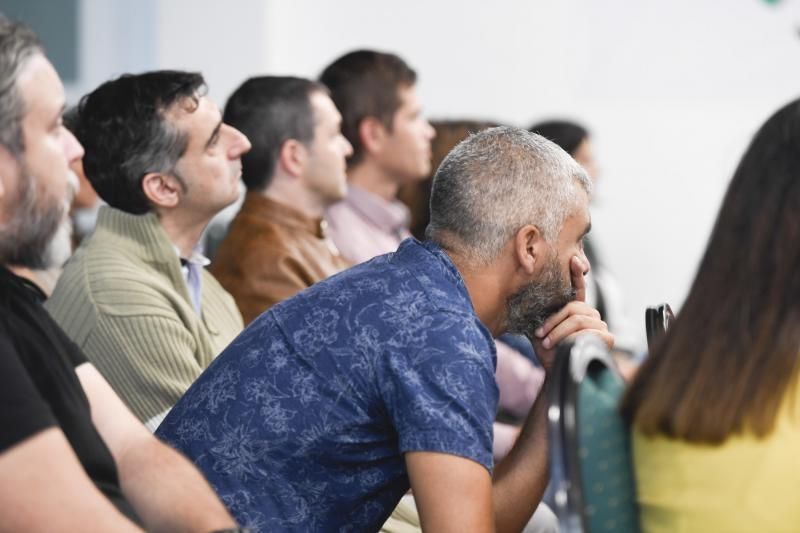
column 277, row 243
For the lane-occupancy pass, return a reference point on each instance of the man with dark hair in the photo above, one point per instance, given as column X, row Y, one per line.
column 277, row 244
column 330, row 405
column 382, row 118
column 135, row 296
column 72, row 457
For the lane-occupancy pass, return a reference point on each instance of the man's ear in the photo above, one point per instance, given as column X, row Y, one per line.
column 292, row 157
column 163, row 190
column 372, row 133
column 529, row 248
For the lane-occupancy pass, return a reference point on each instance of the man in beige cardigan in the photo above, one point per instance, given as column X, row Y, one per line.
column 136, row 296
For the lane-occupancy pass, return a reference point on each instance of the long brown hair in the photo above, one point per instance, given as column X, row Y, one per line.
column 729, row 360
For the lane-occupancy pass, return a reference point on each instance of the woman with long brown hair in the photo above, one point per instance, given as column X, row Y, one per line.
column 716, row 409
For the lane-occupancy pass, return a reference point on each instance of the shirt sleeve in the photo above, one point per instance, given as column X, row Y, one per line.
column 440, row 390
column 24, row 411
column 73, row 352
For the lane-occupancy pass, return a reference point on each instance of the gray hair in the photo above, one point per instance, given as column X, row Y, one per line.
column 17, row 45
column 495, row 182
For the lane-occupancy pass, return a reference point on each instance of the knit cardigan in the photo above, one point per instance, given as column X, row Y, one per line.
column 123, row 299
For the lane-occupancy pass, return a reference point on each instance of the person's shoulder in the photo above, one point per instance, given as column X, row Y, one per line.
column 107, row 276
column 251, row 240
column 72, row 289
column 395, row 279
column 435, row 275
column 115, row 285
column 98, row 258
column 247, row 226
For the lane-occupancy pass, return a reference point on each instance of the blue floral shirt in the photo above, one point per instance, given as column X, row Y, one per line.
column 302, row 422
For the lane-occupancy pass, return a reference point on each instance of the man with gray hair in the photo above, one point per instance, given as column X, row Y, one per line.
column 72, row 457
column 382, row 377
column 136, row 296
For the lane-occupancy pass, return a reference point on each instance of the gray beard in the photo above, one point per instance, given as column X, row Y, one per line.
column 528, row 308
column 59, row 249
column 31, row 237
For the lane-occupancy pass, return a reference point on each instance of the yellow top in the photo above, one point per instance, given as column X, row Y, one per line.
column 745, row 484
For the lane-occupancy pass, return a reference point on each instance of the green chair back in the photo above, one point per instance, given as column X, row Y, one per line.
column 590, row 459
column 604, row 452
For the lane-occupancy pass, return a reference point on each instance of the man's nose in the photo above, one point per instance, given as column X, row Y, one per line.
column 240, row 144
column 72, row 147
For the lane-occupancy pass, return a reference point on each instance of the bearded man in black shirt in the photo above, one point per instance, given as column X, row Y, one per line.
column 72, row 457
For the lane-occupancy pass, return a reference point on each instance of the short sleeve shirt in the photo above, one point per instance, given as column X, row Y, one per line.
column 39, row 388
column 302, row 422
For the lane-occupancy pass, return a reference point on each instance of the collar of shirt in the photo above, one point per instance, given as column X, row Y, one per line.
column 195, row 258
column 23, row 285
column 285, row 215
column 389, row 216
column 191, row 268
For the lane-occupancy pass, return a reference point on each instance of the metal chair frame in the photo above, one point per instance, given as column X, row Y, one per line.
column 569, row 369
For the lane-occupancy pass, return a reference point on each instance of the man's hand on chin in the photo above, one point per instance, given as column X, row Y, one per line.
column 574, row 318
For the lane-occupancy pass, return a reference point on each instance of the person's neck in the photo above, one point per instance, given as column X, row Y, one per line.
column 290, row 193
column 183, row 230
column 487, row 288
column 372, row 178
column 45, row 279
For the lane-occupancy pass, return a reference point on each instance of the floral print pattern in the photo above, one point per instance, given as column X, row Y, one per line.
column 302, row 422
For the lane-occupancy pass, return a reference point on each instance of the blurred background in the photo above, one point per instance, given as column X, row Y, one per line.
column 671, row 91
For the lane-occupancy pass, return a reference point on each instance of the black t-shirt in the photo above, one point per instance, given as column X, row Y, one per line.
column 39, row 387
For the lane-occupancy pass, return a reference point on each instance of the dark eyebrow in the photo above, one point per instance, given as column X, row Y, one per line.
column 214, row 135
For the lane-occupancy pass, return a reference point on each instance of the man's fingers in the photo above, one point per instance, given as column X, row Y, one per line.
column 577, row 324
column 572, row 308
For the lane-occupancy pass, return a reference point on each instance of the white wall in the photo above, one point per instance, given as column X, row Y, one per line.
column 671, row 90
column 225, row 42
column 115, row 37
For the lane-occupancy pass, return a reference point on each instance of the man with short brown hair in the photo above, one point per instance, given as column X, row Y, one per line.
column 277, row 244
column 382, row 118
